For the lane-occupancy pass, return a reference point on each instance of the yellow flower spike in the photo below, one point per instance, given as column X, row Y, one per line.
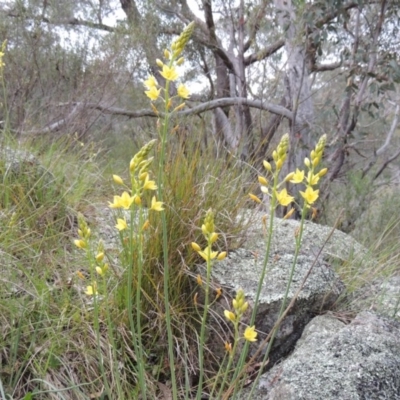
column 214, row 237
column 323, row 172
column 179, row 44
column 180, row 61
column 209, row 221
column 310, row 195
column 146, row 225
column 149, row 185
column 320, row 147
column 167, row 54
column 267, row 166
column 307, row 162
column 262, row 181
column 91, row 290
column 150, row 82
column 199, row 280
column 169, row 73
column 153, row 93
column 159, row 63
column 283, row 147
column 229, row 315
column 284, row 198
column 156, row 205
column 183, row 91
column 228, row 347
column 196, row 247
column 298, row 176
column 221, row 256
column 218, row 293
column 121, row 224
column 99, row 257
column 290, row 213
column 250, row 334
column 254, row 198
column 124, row 201
column 117, row 179
column 80, row 243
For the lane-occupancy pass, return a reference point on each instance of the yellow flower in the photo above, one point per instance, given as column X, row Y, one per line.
column 206, row 256
column 80, row 243
column 230, row 315
column 156, row 205
column 153, row 93
column 169, row 73
column 121, row 224
column 149, row 185
column 117, row 179
column 91, row 290
column 312, row 179
column 298, row 176
column 150, row 82
column 283, row 197
column 250, row 334
column 310, row 195
column 124, row 201
column 183, row 91
column 254, row 197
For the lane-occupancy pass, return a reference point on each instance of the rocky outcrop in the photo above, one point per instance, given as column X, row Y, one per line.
column 321, row 285
column 333, row 361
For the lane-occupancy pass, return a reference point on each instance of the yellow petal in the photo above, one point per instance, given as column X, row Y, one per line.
column 250, row 334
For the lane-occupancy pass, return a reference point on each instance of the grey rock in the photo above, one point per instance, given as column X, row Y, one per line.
column 359, row 361
column 243, row 268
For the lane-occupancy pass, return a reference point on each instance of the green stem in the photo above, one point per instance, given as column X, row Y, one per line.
column 273, row 204
column 283, row 305
column 163, row 135
column 204, row 322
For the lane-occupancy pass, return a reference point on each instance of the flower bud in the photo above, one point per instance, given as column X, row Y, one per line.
column 159, row 63
column 214, row 237
column 117, row 179
column 262, row 181
column 221, row 256
column 180, row 61
column 195, row 246
column 307, row 162
column 267, row 166
column 322, row 172
column 167, row 54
